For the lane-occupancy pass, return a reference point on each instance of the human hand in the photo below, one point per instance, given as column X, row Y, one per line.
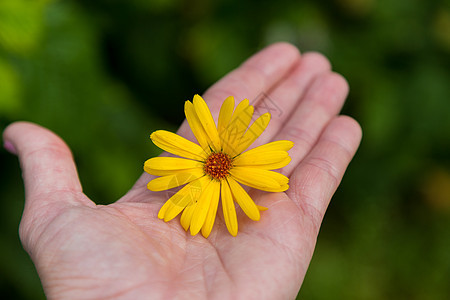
column 123, row 251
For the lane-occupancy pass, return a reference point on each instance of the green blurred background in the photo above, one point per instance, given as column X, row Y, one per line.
column 104, row 74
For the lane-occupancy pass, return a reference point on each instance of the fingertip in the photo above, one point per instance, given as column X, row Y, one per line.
column 316, row 60
column 9, row 136
column 352, row 124
column 23, row 136
column 350, row 129
column 285, row 48
column 9, row 147
column 46, row 160
column 18, row 124
column 341, row 81
column 337, row 83
column 329, row 89
column 275, row 58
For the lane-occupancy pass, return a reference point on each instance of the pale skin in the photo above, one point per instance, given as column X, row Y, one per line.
column 123, row 251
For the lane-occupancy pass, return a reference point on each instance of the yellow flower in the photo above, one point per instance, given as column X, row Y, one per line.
column 214, row 167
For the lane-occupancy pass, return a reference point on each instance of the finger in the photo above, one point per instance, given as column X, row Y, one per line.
column 255, row 76
column 322, row 102
column 285, row 98
column 46, row 161
column 317, row 177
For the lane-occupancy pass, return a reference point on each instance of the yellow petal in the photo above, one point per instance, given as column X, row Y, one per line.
column 167, row 172
column 175, row 144
column 196, row 126
column 282, row 188
column 262, row 158
column 259, row 178
column 230, row 134
column 186, row 216
column 226, row 111
column 198, row 219
column 229, row 211
column 173, row 210
column 253, row 132
column 205, row 117
column 187, row 196
column 274, row 166
column 237, row 128
column 240, row 108
column 174, row 180
column 242, row 115
column 261, row 208
column 163, row 209
column 170, row 164
column 243, row 199
column 212, row 211
column 282, row 145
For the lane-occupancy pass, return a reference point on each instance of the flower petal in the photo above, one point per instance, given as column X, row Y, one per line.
column 226, row 111
column 282, row 188
column 237, row 128
column 253, row 132
column 198, row 219
column 259, row 178
column 186, row 216
column 262, row 158
column 187, row 196
column 261, row 208
column 174, row 180
column 274, row 166
column 212, row 211
column 261, row 151
column 167, row 172
column 226, row 137
column 175, row 144
column 243, row 199
column 196, row 126
column 205, row 117
column 240, row 108
column 282, row 145
column 170, row 164
column 163, row 209
column 229, row 211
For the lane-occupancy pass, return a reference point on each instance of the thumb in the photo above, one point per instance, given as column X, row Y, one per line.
column 48, row 170
column 46, row 161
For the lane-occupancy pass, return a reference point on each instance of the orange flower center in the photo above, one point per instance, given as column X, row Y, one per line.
column 218, row 165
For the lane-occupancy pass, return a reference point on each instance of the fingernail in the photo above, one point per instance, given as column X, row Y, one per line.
column 9, row 147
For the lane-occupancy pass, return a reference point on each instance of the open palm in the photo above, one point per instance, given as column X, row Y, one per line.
column 123, row 251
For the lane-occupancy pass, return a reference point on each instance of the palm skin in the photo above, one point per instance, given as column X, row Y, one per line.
column 123, row 251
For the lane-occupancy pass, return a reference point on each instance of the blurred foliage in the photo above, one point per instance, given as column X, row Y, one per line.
column 104, row 74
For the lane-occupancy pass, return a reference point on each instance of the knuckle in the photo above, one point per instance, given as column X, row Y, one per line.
column 299, row 135
column 327, row 168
